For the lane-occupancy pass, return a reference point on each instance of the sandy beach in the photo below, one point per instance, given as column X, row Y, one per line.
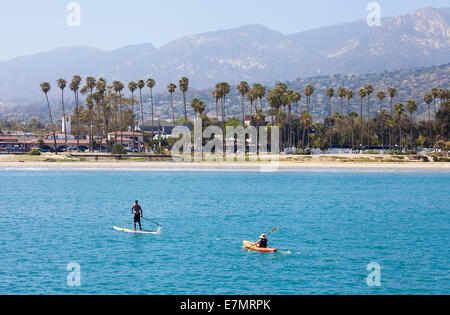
column 286, row 162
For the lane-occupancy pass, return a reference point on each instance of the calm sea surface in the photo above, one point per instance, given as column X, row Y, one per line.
column 331, row 226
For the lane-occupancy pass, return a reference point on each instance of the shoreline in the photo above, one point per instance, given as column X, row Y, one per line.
column 281, row 166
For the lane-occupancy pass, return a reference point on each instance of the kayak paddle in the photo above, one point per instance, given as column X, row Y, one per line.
column 269, row 233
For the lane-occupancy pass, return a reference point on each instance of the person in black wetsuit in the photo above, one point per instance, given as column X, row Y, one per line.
column 138, row 213
column 263, row 241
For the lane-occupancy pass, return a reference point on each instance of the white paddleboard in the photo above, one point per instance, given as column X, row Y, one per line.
column 133, row 231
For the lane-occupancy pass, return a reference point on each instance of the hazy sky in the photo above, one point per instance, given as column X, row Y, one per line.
column 32, row 26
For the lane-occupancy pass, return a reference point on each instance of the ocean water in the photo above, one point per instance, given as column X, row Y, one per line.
column 331, row 226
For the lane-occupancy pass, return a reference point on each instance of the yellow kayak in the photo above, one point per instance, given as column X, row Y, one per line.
column 253, row 246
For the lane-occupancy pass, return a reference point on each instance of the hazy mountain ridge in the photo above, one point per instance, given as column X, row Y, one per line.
column 253, row 53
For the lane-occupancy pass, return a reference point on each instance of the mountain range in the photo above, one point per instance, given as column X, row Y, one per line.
column 253, row 53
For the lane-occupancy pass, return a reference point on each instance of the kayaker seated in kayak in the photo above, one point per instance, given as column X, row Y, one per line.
column 262, row 243
column 138, row 213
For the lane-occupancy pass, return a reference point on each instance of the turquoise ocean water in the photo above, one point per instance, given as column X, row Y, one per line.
column 331, row 226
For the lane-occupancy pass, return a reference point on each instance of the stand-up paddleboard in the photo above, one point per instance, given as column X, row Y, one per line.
column 136, row 232
column 253, row 246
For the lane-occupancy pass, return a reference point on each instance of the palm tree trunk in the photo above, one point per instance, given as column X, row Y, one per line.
column 382, row 123
column 133, row 126
column 361, row 123
column 121, row 120
column 368, row 122
column 142, row 119
column 411, row 133
column 303, row 138
column 223, row 124
column 243, row 111
column 153, row 113
column 429, row 123
column 434, row 104
column 78, row 120
column 171, row 104
column 185, row 109
column 64, row 119
column 91, row 132
column 53, row 126
column 106, row 127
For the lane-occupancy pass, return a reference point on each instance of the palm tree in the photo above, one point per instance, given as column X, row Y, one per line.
column 362, row 94
column 399, row 111
column 74, row 87
column 224, row 89
column 260, row 93
column 330, row 94
column 296, row 98
column 118, row 87
column 411, row 106
column 349, row 95
column 342, row 93
column 101, row 90
column 392, row 93
column 369, row 91
column 381, row 96
column 435, row 93
column 217, row 97
column 90, row 85
column 151, row 84
column 184, row 87
column 198, row 106
column 243, row 89
column 90, row 105
column 132, row 86
column 352, row 117
column 306, row 122
column 171, row 88
column 45, row 87
column 251, row 96
column 62, row 85
column 140, row 85
column 428, row 99
column 390, row 125
column 309, row 91
column 259, row 120
column 290, row 99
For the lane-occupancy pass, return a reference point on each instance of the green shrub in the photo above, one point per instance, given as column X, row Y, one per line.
column 34, row 152
column 303, row 152
column 119, row 149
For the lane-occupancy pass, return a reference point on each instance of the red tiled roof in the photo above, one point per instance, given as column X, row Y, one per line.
column 8, row 138
column 61, row 142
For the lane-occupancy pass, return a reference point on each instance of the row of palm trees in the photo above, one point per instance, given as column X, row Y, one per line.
column 109, row 101
column 105, row 102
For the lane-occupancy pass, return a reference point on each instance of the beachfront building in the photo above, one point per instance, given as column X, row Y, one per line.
column 162, row 127
column 128, row 139
column 46, row 142
column 11, row 144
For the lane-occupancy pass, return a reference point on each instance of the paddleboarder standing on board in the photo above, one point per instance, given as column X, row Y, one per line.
column 262, row 243
column 138, row 213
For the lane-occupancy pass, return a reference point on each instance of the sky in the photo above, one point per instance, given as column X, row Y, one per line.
column 33, row 26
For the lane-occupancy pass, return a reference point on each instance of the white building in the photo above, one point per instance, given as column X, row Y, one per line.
column 66, row 123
